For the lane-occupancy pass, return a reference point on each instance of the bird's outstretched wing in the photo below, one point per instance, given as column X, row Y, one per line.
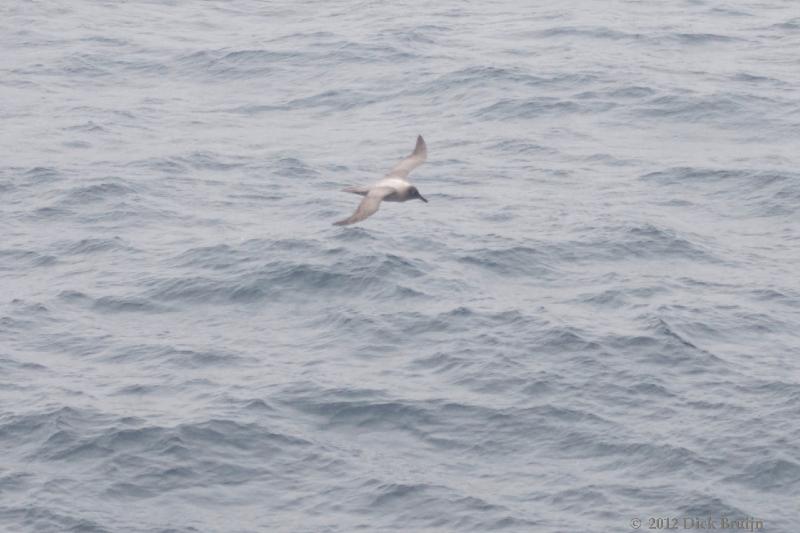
column 417, row 157
column 368, row 206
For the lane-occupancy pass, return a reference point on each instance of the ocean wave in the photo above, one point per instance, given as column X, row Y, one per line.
column 48, row 518
column 599, row 32
column 696, row 108
column 15, row 259
column 70, row 434
column 703, row 38
column 516, row 260
column 696, row 504
column 117, row 304
column 367, row 275
column 506, row 109
column 94, row 245
column 343, row 271
column 427, row 500
column 166, row 165
column 757, row 192
column 770, row 475
column 643, row 241
column 43, row 174
column 107, row 190
column 168, row 355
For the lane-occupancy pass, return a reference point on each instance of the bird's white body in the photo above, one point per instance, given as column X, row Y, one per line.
column 400, row 185
column 393, row 188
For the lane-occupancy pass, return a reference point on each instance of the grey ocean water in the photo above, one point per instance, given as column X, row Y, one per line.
column 595, row 319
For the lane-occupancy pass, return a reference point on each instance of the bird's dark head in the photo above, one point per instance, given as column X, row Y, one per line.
column 414, row 193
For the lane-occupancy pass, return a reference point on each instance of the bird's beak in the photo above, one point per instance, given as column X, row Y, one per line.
column 423, row 199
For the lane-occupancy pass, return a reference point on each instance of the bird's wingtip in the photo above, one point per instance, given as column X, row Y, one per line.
column 420, row 147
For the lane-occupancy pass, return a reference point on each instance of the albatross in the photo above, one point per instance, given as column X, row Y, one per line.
column 394, row 187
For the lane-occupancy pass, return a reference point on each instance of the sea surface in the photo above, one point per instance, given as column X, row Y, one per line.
column 595, row 320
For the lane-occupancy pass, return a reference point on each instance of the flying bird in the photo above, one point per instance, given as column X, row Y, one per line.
column 395, row 187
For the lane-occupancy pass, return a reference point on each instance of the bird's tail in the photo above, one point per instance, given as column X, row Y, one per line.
column 356, row 190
